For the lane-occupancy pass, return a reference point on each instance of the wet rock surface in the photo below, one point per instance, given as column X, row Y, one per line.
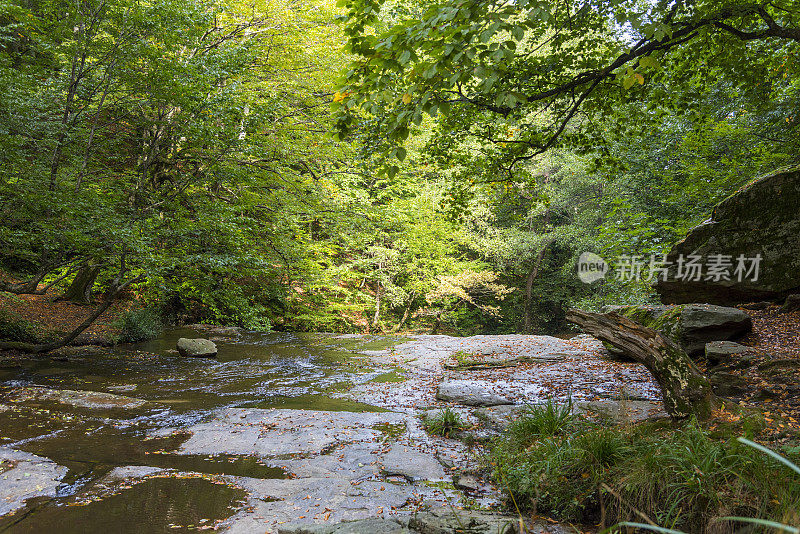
column 197, row 348
column 95, row 400
column 285, row 432
column 26, row 476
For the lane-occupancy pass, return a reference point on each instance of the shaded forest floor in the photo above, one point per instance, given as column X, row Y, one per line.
column 773, row 381
column 63, row 316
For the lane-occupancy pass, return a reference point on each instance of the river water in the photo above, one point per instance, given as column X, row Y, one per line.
column 252, row 370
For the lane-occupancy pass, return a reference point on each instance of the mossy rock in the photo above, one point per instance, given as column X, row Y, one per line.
column 761, row 219
column 691, row 326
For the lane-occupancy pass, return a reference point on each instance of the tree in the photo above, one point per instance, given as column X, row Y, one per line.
column 528, row 76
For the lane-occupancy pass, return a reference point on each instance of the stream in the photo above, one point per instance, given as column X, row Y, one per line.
column 275, row 430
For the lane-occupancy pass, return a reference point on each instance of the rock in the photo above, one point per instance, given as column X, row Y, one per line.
column 691, row 325
column 199, row 348
column 365, row 526
column 468, row 393
column 446, row 522
column 225, row 330
column 728, row 384
column 96, row 400
column 722, row 352
column 466, row 483
column 701, row 323
column 777, row 367
column 760, row 219
column 411, row 464
column 792, row 303
column 30, row 476
column 82, row 350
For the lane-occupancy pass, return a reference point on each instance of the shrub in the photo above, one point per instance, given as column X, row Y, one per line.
column 15, row 328
column 140, row 324
column 678, row 476
column 443, row 423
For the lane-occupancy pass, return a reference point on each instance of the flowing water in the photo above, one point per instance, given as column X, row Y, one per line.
column 252, row 370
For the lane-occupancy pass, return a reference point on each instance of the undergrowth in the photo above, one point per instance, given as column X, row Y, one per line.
column 14, row 328
column 679, row 476
column 443, row 423
column 139, row 324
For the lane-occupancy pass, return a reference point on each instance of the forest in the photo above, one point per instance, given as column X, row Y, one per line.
column 268, row 165
column 389, row 168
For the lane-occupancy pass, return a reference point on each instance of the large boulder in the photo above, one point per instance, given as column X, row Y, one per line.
column 198, row 348
column 761, row 218
column 691, row 326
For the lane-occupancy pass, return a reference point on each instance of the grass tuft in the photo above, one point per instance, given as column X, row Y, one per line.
column 444, row 423
column 679, row 476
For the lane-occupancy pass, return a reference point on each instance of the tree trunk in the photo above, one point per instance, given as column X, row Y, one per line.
column 80, row 291
column 377, row 316
column 31, row 287
column 437, row 323
column 685, row 389
column 406, row 313
column 534, row 272
column 28, row 287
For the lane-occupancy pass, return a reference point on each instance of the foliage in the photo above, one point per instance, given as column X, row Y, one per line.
column 444, row 422
column 541, row 420
column 528, row 76
column 140, row 324
column 682, row 477
column 15, row 328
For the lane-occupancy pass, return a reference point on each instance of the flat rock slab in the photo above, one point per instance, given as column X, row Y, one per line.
column 427, row 352
column 365, row 526
column 470, row 393
column 31, row 476
column 720, row 352
column 276, row 432
column 343, row 466
column 412, row 464
column 96, row 400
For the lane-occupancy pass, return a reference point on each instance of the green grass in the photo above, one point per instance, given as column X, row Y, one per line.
column 443, row 423
column 677, row 475
column 539, row 420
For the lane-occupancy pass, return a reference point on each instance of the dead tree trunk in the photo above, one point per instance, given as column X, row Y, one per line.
column 80, row 291
column 685, row 389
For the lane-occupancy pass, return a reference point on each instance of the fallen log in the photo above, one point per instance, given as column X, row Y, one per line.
column 685, row 389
